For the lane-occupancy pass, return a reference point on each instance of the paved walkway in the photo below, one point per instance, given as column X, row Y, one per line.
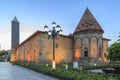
column 14, row 72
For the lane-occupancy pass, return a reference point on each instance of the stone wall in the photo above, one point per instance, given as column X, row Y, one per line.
column 29, row 50
column 63, row 49
column 39, row 49
column 105, row 47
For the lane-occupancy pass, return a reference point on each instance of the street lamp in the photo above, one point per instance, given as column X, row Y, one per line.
column 54, row 33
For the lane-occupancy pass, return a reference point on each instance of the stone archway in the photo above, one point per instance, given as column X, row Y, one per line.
column 77, row 49
column 85, row 47
column 93, row 47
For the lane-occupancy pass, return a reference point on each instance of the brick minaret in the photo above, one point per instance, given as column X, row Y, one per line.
column 14, row 33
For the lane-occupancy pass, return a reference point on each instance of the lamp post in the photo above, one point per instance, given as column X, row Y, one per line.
column 54, row 33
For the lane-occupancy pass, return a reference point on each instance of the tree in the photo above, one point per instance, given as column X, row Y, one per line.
column 119, row 37
column 114, row 51
column 3, row 52
column 3, row 55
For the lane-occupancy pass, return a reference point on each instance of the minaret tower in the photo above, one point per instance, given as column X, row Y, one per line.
column 14, row 33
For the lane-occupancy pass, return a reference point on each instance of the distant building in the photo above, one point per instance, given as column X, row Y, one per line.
column 86, row 45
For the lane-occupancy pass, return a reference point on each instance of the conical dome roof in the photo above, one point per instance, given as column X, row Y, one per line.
column 88, row 22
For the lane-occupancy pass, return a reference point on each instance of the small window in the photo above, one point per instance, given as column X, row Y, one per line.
column 100, row 52
column 27, row 52
column 56, row 45
column 105, row 54
column 85, row 52
column 40, row 53
column 34, row 51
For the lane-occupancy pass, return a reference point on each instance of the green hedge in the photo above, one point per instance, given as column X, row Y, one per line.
column 61, row 74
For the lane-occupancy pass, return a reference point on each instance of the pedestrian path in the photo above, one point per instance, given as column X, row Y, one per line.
column 14, row 72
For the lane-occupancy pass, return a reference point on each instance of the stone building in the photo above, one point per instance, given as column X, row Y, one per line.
column 39, row 49
column 86, row 45
column 90, row 46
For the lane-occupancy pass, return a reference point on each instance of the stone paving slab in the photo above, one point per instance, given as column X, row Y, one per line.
column 14, row 72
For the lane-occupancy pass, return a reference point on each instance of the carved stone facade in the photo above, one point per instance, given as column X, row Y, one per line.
column 89, row 42
column 89, row 46
column 86, row 45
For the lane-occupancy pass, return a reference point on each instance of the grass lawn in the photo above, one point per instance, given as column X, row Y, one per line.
column 69, row 74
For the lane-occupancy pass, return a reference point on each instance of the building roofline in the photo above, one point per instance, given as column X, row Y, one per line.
column 88, row 30
column 30, row 37
column 88, row 21
column 36, row 33
column 106, row 39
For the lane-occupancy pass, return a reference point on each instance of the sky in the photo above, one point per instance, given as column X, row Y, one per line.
column 33, row 15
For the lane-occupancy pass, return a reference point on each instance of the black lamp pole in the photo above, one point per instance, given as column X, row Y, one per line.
column 53, row 48
column 54, row 33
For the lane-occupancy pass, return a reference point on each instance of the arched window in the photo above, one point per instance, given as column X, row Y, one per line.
column 85, row 52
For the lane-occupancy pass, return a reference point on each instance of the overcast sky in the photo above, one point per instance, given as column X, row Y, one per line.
column 34, row 14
